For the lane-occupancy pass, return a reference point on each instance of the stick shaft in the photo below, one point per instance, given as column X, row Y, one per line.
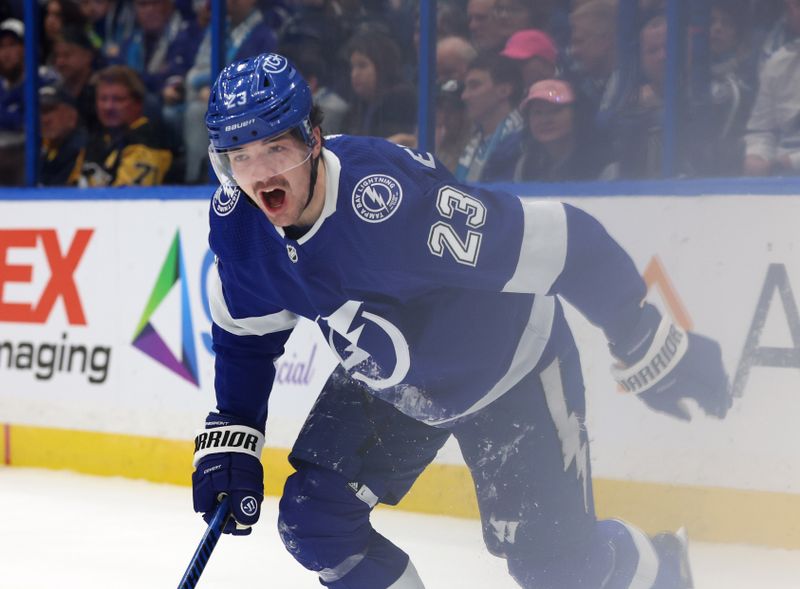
column 206, row 546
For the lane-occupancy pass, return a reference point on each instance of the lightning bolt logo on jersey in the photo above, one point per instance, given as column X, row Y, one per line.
column 377, row 197
column 349, row 323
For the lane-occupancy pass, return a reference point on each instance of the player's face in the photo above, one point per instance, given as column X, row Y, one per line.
column 275, row 174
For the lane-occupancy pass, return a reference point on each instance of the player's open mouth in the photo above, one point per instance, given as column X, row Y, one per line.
column 272, row 199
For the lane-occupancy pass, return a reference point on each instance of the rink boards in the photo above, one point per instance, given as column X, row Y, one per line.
column 106, row 367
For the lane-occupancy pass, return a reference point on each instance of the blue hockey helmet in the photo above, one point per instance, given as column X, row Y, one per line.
column 258, row 98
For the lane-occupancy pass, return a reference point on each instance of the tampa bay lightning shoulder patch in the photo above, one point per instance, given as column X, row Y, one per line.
column 225, row 199
column 377, row 197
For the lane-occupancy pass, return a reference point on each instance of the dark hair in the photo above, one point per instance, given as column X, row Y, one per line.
column 502, row 69
column 71, row 14
column 307, row 58
column 739, row 12
column 383, row 52
column 75, row 35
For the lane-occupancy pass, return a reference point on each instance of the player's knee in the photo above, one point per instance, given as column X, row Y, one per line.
column 321, row 522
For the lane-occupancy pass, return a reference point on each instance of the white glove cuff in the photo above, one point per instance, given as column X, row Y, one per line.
column 666, row 350
column 228, row 438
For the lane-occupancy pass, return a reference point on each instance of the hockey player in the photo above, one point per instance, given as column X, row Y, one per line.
column 442, row 302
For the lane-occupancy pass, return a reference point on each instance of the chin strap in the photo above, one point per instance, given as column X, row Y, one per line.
column 312, row 182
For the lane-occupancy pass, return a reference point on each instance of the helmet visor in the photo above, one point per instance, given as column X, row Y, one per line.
column 258, row 161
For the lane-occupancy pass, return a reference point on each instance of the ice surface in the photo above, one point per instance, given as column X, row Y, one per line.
column 65, row 530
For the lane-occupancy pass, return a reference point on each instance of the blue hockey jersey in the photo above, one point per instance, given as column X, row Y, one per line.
column 438, row 296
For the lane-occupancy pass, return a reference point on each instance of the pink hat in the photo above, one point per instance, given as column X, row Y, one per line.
column 530, row 43
column 555, row 91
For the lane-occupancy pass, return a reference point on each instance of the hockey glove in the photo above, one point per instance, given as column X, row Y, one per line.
column 663, row 365
column 227, row 462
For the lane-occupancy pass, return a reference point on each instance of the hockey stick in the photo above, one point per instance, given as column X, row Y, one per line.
column 206, row 546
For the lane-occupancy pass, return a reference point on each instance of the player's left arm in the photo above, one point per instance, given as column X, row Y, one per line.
column 657, row 359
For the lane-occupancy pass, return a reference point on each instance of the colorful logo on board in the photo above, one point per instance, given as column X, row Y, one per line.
column 147, row 338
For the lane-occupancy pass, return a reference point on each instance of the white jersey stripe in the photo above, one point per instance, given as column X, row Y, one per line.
column 332, row 169
column 647, row 567
column 529, row 349
column 263, row 325
column 543, row 252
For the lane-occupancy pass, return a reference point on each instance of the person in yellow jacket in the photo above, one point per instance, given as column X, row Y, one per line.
column 128, row 150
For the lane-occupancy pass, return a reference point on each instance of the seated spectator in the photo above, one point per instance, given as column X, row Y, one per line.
column 450, row 22
column 536, row 54
column 74, row 61
column 772, row 130
column 518, row 15
column 453, row 130
column 383, row 103
column 12, row 73
column 247, row 35
column 484, row 29
column 733, row 83
column 772, row 139
column 63, row 138
column 112, row 21
column 61, row 14
column 161, row 49
column 786, row 30
column 320, row 22
column 453, row 56
column 592, row 52
column 307, row 58
column 638, row 130
column 730, row 41
column 556, row 145
column 128, row 151
column 492, row 89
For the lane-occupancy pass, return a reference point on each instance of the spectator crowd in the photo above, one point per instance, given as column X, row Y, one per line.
column 527, row 90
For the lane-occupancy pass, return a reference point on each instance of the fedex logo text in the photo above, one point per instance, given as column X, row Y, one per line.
column 61, row 283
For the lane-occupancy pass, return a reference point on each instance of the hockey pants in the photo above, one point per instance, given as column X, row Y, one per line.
column 528, row 456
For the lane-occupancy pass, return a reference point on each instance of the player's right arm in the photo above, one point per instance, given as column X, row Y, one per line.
column 248, row 336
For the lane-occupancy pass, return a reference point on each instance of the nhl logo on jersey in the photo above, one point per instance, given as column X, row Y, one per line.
column 377, row 197
column 225, row 199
